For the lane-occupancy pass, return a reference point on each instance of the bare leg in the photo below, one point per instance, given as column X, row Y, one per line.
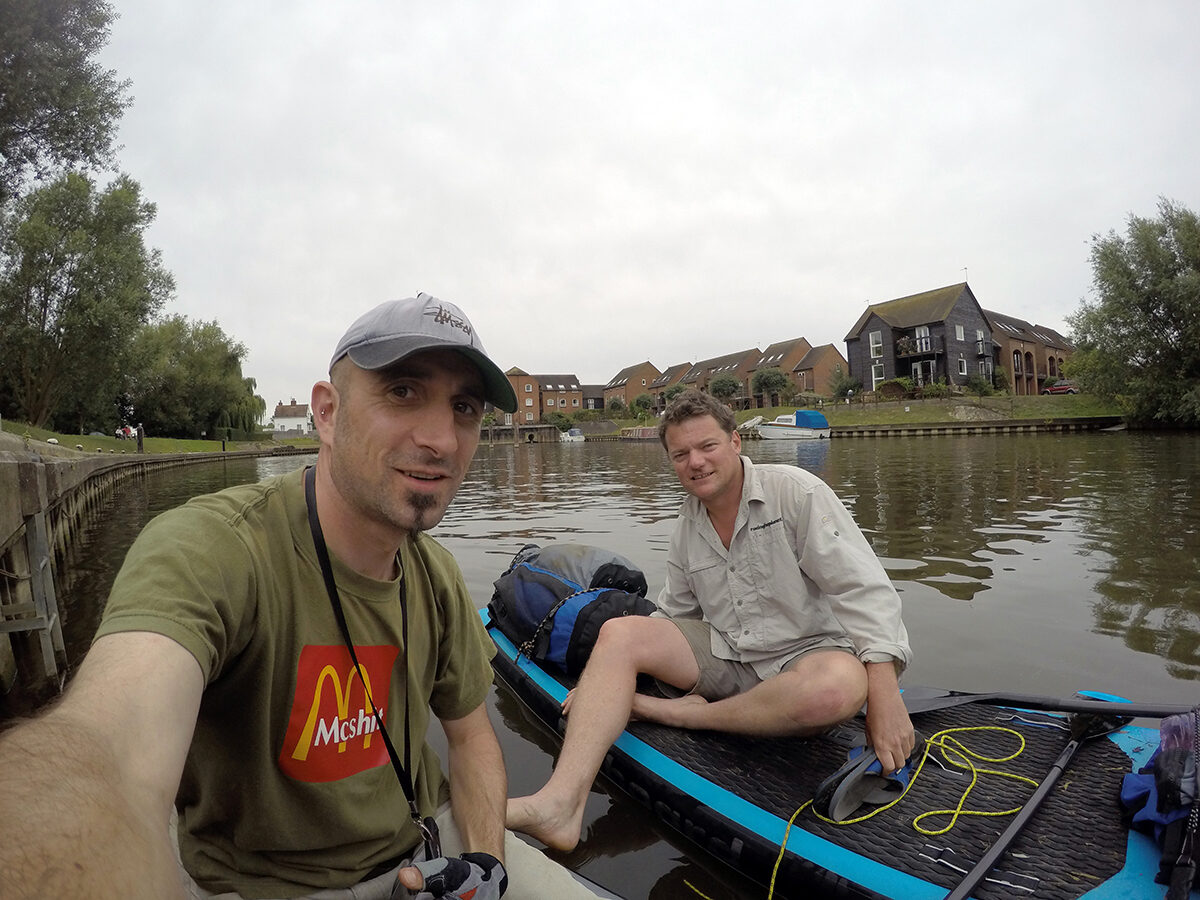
column 600, row 708
column 821, row 689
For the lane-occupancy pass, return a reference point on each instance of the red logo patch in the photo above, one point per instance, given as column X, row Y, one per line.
column 332, row 732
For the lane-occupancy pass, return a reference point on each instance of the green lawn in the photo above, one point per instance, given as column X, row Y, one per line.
column 110, row 444
column 914, row 412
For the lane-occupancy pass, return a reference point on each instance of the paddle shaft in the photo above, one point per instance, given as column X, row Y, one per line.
column 1050, row 704
column 973, row 878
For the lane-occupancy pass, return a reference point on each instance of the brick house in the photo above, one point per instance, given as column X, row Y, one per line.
column 559, row 393
column 815, row 373
column 1028, row 353
column 782, row 355
column 630, row 383
column 938, row 334
column 669, row 378
column 529, row 407
column 736, row 365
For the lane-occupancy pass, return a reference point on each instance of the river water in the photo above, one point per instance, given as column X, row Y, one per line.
column 1033, row 563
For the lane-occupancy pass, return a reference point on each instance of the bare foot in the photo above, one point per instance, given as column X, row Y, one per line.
column 555, row 825
column 677, row 712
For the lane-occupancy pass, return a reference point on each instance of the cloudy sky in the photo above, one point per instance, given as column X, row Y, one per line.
column 603, row 183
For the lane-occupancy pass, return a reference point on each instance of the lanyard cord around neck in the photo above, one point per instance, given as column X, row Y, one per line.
column 426, row 826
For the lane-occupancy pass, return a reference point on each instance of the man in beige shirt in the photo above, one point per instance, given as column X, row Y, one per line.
column 776, row 619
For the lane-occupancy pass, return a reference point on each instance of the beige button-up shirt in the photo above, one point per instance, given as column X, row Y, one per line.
column 798, row 574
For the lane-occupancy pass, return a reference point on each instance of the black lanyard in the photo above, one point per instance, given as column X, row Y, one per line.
column 426, row 825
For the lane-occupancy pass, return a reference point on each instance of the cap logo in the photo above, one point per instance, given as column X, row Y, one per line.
column 443, row 316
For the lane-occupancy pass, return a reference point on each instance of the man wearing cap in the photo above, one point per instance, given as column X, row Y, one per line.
column 261, row 649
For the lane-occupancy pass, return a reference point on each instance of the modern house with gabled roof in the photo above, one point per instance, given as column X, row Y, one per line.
column 815, row 373
column 630, row 383
column 1029, row 353
column 736, row 365
column 938, row 334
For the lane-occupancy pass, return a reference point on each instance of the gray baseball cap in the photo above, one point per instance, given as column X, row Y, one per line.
column 399, row 328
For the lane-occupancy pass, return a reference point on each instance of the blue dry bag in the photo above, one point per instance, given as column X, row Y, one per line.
column 551, row 601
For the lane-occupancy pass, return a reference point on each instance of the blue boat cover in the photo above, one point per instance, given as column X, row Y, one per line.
column 810, row 418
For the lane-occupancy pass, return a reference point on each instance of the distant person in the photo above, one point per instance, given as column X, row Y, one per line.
column 776, row 619
column 222, row 681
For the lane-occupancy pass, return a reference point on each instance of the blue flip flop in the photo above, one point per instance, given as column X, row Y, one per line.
column 861, row 781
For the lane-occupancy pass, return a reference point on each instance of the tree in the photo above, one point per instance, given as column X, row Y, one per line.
column 841, row 383
column 76, row 283
column 771, row 382
column 724, row 387
column 641, row 404
column 616, row 404
column 1139, row 340
column 673, row 391
column 187, row 381
column 58, row 107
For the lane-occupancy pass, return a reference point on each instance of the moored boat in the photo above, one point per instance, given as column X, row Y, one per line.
column 802, row 425
column 571, row 436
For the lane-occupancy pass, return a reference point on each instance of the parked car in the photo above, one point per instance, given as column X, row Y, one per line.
column 1061, row 387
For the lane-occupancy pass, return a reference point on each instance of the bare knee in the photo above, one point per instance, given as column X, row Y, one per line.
column 829, row 692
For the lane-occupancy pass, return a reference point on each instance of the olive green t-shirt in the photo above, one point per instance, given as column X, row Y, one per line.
column 288, row 787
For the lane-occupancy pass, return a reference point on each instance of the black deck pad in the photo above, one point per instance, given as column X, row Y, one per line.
column 1074, row 842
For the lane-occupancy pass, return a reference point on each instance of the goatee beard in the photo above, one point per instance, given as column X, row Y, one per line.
column 421, row 504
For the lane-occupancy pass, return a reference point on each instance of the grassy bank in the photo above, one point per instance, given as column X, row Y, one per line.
column 958, row 409
column 15, row 433
column 892, row 412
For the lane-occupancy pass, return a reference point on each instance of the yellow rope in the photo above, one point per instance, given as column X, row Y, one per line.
column 956, row 754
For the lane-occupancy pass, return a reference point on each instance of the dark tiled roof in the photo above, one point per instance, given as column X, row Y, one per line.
column 815, row 355
column 669, row 377
column 557, row 382
column 917, row 309
column 626, row 373
column 775, row 354
column 730, row 364
column 291, row 410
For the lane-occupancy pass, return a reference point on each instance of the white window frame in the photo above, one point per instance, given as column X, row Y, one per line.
column 959, row 335
column 921, row 335
column 529, row 388
column 877, row 375
column 962, row 365
column 876, row 339
column 529, row 401
column 528, row 417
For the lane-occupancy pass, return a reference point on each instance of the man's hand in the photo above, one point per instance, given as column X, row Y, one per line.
column 472, row 876
column 889, row 730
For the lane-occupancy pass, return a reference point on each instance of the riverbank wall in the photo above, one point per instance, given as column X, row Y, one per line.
column 45, row 493
column 1004, row 426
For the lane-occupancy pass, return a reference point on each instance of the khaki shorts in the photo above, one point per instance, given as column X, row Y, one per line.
column 721, row 678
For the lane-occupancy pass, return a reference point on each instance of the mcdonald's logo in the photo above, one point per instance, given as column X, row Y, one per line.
column 332, row 732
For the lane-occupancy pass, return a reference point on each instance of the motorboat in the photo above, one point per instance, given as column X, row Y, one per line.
column 801, row 425
column 571, row 436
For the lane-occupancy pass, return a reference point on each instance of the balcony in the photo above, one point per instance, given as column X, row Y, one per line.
column 926, row 345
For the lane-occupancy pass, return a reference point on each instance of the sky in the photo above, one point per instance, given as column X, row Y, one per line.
column 599, row 184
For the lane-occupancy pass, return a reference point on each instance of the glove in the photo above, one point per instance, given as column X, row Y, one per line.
column 472, row 876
